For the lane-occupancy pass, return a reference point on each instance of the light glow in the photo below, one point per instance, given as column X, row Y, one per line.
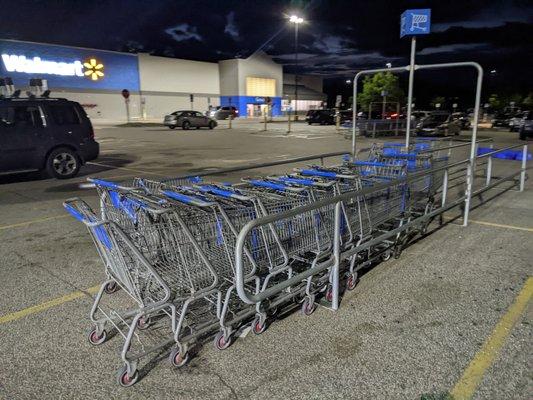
column 36, row 65
column 296, row 19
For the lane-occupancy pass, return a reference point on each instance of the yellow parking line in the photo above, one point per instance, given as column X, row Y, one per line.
column 47, row 304
column 33, row 221
column 519, row 228
column 125, row 168
column 472, row 376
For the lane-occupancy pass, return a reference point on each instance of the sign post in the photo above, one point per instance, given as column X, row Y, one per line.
column 126, row 95
column 413, row 23
column 192, row 101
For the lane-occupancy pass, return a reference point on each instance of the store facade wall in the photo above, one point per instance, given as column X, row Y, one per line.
column 168, row 83
column 250, row 84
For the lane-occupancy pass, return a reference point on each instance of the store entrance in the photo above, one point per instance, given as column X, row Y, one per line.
column 256, row 110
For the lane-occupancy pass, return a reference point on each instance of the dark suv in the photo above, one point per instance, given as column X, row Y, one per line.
column 52, row 135
column 322, row 117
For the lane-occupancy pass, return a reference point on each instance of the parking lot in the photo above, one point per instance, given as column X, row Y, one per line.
column 411, row 328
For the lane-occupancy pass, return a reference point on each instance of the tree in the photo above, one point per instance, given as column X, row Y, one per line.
column 528, row 101
column 495, row 102
column 374, row 85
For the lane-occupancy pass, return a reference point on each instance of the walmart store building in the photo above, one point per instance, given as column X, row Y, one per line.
column 157, row 85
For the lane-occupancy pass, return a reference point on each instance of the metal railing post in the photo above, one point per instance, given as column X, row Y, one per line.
column 523, row 172
column 374, row 130
column 489, row 168
column 444, row 187
column 468, row 193
column 337, row 255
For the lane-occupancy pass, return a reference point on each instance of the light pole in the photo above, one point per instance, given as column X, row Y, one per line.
column 296, row 21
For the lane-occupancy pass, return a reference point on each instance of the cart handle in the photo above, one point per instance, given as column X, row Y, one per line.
column 195, row 201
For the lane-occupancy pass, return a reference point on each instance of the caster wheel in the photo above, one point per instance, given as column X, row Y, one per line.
column 308, row 306
column 329, row 295
column 177, row 358
column 126, row 380
column 221, row 342
column 258, row 327
column 143, row 323
column 95, row 339
column 386, row 256
column 352, row 281
column 397, row 252
column 111, row 287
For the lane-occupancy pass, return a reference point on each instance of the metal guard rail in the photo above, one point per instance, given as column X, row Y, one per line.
column 337, row 257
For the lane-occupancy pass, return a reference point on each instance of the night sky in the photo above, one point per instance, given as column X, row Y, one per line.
column 338, row 39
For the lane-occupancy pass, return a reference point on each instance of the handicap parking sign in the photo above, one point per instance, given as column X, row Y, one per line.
column 415, row 22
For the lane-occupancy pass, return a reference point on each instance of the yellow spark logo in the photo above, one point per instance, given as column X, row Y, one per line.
column 93, row 69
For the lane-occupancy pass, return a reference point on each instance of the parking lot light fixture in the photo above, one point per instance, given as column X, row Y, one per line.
column 388, row 65
column 296, row 20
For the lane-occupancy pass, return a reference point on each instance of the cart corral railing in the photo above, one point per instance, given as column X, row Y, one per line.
column 463, row 170
column 377, row 127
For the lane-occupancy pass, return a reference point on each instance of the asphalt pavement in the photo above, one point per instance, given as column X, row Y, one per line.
column 409, row 330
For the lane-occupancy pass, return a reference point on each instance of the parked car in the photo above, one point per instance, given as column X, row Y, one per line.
column 526, row 126
column 345, row 116
column 438, row 123
column 515, row 122
column 45, row 134
column 322, row 117
column 417, row 116
column 462, row 118
column 187, row 119
column 220, row 113
column 501, row 119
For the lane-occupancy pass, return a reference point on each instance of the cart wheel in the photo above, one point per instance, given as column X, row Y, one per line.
column 329, row 295
column 144, row 323
column 386, row 256
column 126, row 380
column 177, row 358
column 352, row 281
column 308, row 306
column 397, row 252
column 95, row 339
column 111, row 287
column 258, row 327
column 221, row 342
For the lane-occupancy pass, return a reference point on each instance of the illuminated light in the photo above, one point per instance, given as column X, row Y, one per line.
column 93, row 69
column 36, row 65
column 296, row 19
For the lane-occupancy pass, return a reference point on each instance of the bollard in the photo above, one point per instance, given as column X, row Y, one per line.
column 265, row 122
column 230, row 118
column 374, row 130
column 289, row 130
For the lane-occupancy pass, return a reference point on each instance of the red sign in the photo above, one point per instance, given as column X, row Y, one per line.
column 125, row 93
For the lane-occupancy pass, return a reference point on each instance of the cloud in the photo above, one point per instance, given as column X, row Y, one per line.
column 490, row 17
column 451, row 48
column 183, row 32
column 231, row 28
column 331, row 44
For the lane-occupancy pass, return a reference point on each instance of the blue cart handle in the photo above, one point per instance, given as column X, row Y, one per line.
column 75, row 213
column 103, row 183
column 315, row 172
column 217, row 191
column 195, row 201
column 298, row 181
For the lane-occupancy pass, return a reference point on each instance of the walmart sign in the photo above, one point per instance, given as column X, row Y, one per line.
column 67, row 67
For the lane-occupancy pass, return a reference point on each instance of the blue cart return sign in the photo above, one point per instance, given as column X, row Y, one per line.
column 415, row 22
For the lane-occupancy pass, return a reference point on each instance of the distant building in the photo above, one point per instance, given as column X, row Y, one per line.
column 157, row 85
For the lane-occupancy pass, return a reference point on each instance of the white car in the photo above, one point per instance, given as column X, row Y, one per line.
column 516, row 121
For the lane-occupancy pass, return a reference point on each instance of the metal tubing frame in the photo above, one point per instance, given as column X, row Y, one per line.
column 337, row 257
column 411, row 71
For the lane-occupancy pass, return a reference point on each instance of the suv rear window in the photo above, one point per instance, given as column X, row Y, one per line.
column 64, row 114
